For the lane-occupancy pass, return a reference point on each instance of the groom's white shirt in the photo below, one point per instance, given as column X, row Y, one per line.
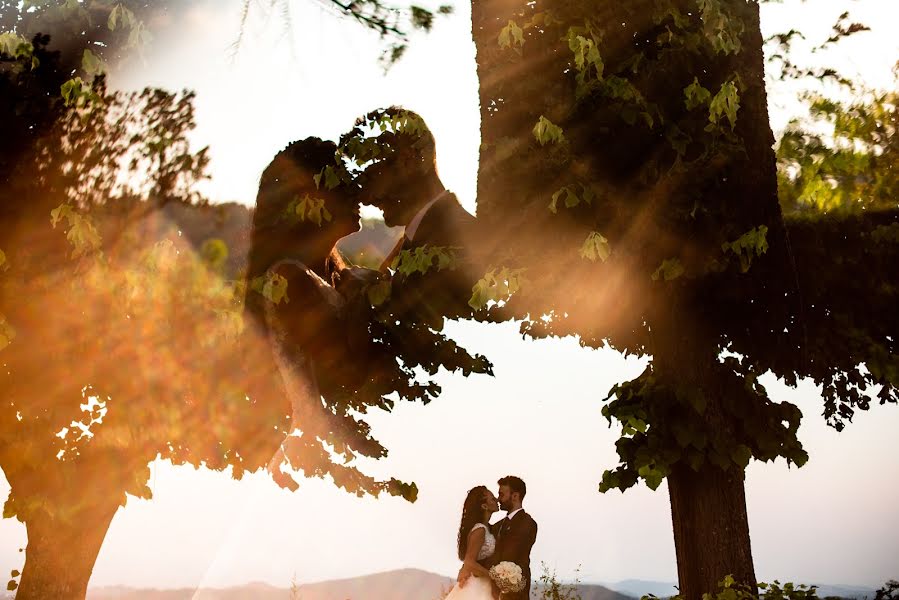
column 513, row 513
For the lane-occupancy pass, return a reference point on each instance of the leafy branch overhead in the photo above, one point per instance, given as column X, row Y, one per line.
column 394, row 24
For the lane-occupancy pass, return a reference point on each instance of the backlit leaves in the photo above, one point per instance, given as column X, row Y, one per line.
column 511, row 36
column 76, row 93
column 423, row 258
column 496, row 286
column 81, row 232
column 545, row 132
column 272, row 286
column 749, row 245
column 669, row 270
column 723, row 29
column 15, row 46
column 571, row 196
column 308, row 209
column 695, row 95
column 725, row 104
column 596, row 247
column 92, row 64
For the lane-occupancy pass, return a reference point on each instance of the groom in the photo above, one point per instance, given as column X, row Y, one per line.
column 515, row 534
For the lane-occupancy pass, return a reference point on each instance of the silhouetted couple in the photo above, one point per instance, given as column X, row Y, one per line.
column 483, row 545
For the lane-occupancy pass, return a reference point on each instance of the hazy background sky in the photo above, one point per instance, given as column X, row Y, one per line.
column 836, row 520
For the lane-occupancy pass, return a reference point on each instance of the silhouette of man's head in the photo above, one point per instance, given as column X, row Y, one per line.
column 402, row 176
column 511, row 494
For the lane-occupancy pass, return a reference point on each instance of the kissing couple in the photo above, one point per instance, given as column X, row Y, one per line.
column 496, row 559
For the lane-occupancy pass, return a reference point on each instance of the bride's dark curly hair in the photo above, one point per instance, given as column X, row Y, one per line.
column 472, row 512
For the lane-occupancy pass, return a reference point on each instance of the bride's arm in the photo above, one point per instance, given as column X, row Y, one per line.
column 470, row 565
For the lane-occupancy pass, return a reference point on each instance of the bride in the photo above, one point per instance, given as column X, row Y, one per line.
column 476, row 546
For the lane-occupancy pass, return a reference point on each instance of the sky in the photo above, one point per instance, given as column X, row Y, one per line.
column 836, row 520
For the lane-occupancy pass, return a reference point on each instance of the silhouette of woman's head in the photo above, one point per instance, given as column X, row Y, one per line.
column 479, row 502
column 401, row 176
column 281, row 227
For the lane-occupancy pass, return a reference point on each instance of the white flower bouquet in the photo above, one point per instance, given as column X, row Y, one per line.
column 508, row 577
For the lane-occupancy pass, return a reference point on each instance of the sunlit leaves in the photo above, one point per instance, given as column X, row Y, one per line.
column 333, row 175
column 17, row 47
column 571, row 196
column 545, row 132
column 584, row 46
column 723, row 29
column 669, row 270
column 846, row 160
column 725, row 104
column 596, row 247
column 92, row 64
column 424, row 258
column 308, row 209
column 749, row 245
column 695, row 95
column 122, row 17
column 511, row 36
column 214, row 253
column 584, row 43
column 496, row 286
column 81, row 232
column 272, row 286
column 76, row 93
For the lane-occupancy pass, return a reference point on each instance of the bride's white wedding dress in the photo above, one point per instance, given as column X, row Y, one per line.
column 477, row 588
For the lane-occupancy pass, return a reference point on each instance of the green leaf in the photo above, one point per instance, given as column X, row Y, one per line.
column 726, row 103
column 272, row 286
column 12, row 585
column 545, row 131
column 496, row 287
column 749, row 245
column 571, row 198
column 423, row 258
column 112, row 21
column 92, row 64
column 669, row 270
column 652, row 476
column 696, row 95
column 14, row 573
column 596, row 247
column 511, row 36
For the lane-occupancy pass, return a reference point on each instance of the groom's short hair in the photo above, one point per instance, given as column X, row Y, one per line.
column 516, row 484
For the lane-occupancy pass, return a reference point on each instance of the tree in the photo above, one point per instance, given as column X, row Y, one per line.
column 122, row 344
column 632, row 140
column 162, row 355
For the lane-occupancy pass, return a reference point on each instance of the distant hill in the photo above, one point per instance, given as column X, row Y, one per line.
column 590, row 591
column 404, row 584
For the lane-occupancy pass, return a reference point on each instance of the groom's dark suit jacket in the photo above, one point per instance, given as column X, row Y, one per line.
column 514, row 539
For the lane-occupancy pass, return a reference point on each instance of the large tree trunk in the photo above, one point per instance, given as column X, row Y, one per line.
column 643, row 218
column 711, row 530
column 61, row 553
